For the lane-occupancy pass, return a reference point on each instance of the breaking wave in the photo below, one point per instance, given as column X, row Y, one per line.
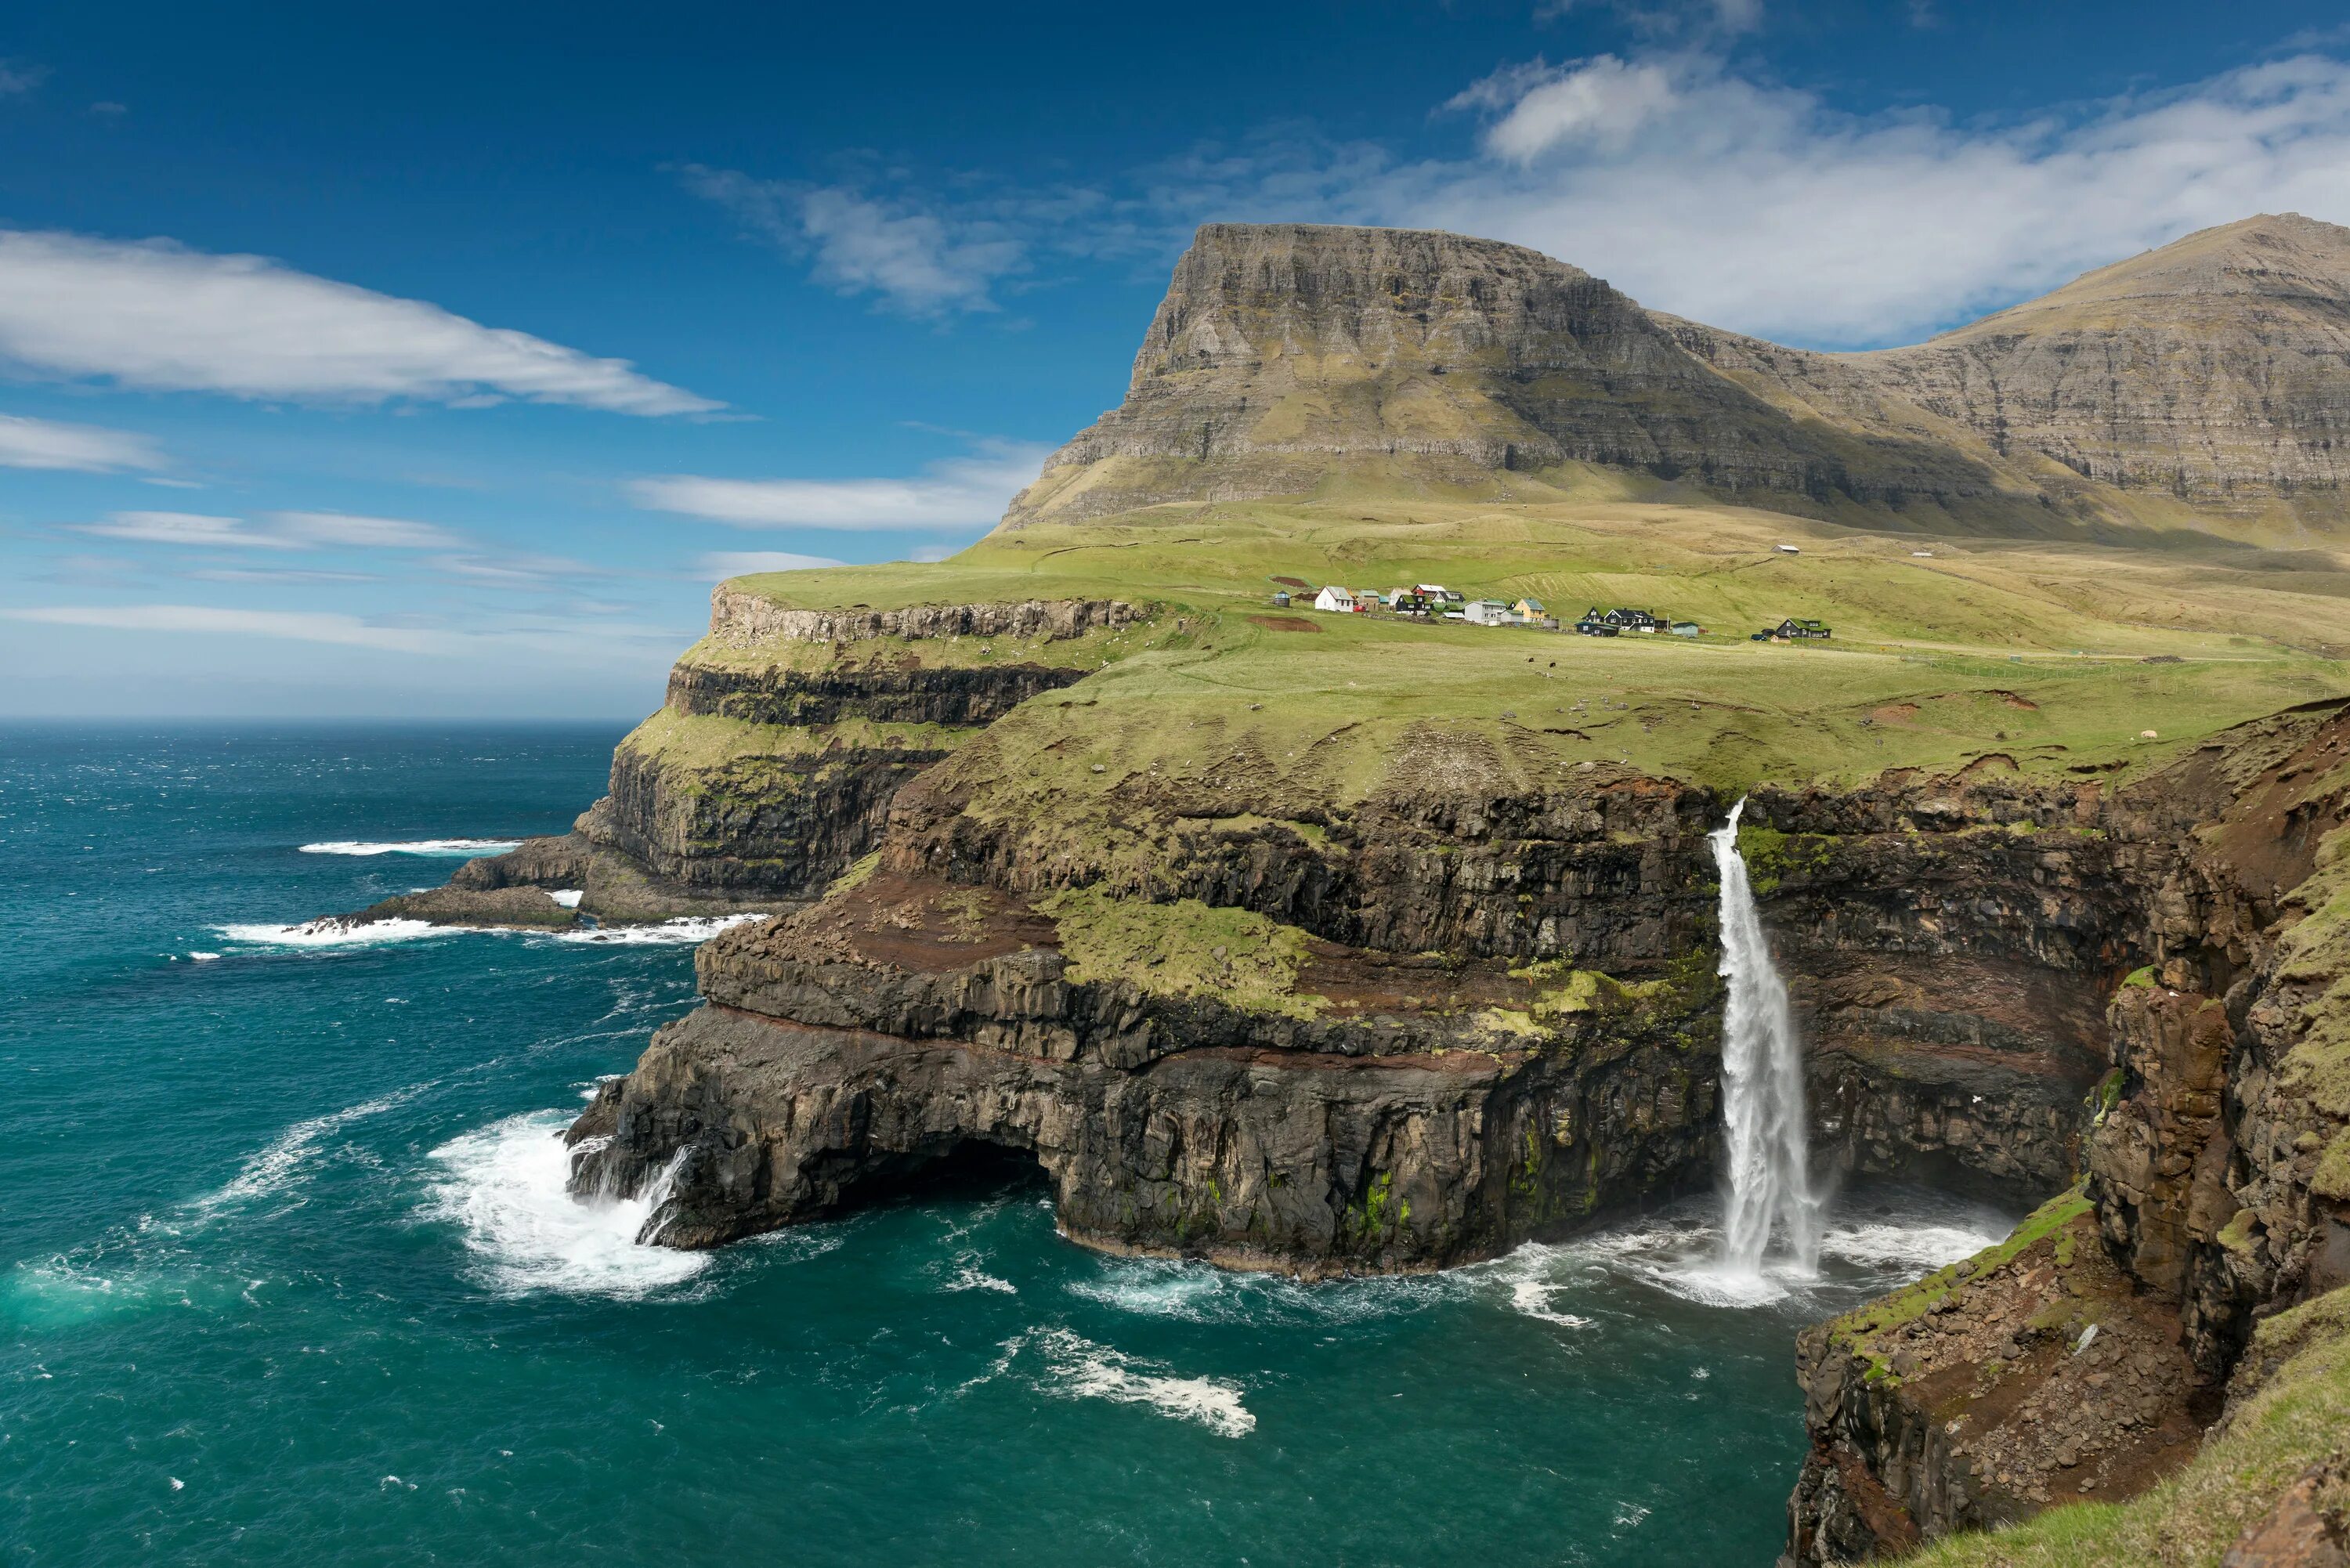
column 464, row 846
column 331, row 932
column 338, row 931
column 683, row 928
column 506, row 1186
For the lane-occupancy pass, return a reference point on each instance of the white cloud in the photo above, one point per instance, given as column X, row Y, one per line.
column 969, row 492
column 930, row 555
column 920, row 262
column 186, row 528
column 365, row 532
column 157, row 315
column 85, row 449
column 742, row 563
column 18, row 78
column 1600, row 104
column 1763, row 208
column 295, row 626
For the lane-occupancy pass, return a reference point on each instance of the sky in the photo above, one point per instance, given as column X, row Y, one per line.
column 432, row 361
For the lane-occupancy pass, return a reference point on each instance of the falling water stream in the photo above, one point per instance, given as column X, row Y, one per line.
column 1762, row 1087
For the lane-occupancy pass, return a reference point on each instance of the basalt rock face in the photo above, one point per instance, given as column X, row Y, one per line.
column 1502, row 1023
column 2085, row 1358
column 845, row 1047
column 783, row 737
column 1284, row 352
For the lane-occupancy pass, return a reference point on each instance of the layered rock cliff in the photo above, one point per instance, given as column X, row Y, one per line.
column 770, row 766
column 2085, row 1358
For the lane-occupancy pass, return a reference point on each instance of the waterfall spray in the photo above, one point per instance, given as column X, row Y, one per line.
column 1763, row 1084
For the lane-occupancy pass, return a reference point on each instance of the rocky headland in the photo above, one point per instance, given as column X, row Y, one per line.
column 1360, row 949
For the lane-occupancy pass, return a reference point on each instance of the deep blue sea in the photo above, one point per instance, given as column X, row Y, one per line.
column 288, row 1274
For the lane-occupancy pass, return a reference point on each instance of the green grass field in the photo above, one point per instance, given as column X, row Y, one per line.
column 2031, row 654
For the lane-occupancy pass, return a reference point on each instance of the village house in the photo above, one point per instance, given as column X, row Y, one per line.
column 1623, row 619
column 1486, row 612
column 1337, row 600
column 1792, row 627
column 1529, row 610
column 1686, row 628
column 1593, row 624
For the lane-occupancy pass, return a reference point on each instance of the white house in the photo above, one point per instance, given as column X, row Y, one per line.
column 1336, row 599
column 1487, row 612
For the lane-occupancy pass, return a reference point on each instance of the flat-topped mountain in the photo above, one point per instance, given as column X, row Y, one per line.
column 1295, row 358
column 1286, row 356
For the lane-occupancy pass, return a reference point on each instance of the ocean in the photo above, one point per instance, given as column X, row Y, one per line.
column 287, row 1273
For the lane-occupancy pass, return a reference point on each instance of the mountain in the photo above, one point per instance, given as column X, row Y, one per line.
column 1288, row 357
column 1291, row 360
column 2217, row 368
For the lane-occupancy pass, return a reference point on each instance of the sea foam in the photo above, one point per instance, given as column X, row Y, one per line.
column 1077, row 1368
column 506, row 1186
column 452, row 846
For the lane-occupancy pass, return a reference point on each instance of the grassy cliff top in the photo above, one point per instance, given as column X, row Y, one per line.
column 1945, row 651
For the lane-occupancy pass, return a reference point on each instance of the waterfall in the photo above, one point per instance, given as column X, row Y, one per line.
column 1761, row 1083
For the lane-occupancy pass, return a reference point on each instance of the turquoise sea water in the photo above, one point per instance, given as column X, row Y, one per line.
column 286, row 1274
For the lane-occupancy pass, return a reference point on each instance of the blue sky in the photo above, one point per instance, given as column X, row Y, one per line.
column 433, row 361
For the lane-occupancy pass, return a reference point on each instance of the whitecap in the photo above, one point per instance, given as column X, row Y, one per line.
column 1077, row 1368
column 506, row 1185
column 464, row 846
column 204, row 958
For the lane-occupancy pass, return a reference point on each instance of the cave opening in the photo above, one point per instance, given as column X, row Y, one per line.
column 965, row 1170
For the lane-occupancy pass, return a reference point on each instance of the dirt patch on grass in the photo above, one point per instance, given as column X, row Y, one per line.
column 1284, row 623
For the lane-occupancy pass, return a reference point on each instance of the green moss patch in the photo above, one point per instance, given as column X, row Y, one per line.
column 1184, row 947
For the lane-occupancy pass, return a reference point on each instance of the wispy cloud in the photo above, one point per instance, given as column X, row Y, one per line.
column 742, row 563
column 364, row 532
column 18, row 78
column 919, row 261
column 970, row 492
column 281, row 531
column 157, row 316
column 515, row 571
column 293, row 626
column 84, row 449
column 191, row 528
column 289, row 574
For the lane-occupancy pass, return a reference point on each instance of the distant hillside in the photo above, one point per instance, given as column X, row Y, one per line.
column 1294, row 360
column 2216, row 368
